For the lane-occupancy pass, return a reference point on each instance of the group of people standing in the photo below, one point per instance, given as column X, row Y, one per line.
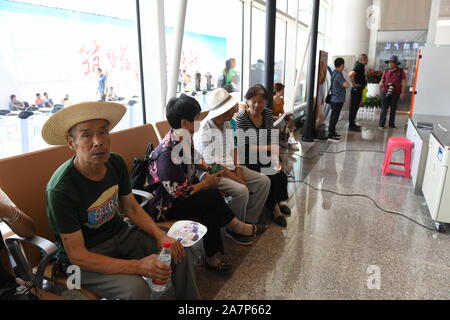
column 393, row 85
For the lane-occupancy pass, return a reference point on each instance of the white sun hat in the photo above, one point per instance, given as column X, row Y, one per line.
column 219, row 102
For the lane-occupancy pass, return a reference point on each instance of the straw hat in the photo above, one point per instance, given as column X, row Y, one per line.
column 219, row 102
column 58, row 125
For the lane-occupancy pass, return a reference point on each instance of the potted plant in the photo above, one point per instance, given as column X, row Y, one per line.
column 373, row 79
column 372, row 102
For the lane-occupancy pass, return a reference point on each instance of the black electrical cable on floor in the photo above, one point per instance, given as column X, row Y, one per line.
column 350, row 195
column 364, row 196
column 320, row 153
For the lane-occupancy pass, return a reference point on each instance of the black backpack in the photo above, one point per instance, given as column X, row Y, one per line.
column 140, row 176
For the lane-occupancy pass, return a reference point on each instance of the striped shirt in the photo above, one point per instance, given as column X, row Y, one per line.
column 249, row 134
column 337, row 90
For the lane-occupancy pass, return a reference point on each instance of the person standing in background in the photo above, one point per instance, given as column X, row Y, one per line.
column 229, row 75
column 102, row 88
column 358, row 79
column 393, row 83
column 338, row 86
column 208, row 81
column 198, row 81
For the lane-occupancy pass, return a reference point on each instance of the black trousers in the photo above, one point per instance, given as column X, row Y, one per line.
column 355, row 102
column 385, row 104
column 336, row 108
column 278, row 187
column 210, row 207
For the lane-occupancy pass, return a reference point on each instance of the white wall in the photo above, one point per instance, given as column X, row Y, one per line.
column 404, row 14
column 349, row 32
column 442, row 35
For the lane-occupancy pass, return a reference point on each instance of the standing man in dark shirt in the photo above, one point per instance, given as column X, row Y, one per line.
column 393, row 86
column 359, row 82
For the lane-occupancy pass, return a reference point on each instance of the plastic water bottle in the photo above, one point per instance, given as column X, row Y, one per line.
column 166, row 257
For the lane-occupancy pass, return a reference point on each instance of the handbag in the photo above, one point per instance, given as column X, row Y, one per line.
column 139, row 171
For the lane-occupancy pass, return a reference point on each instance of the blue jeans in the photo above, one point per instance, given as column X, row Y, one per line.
column 385, row 104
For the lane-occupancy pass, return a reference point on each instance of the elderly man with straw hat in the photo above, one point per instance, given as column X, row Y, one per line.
column 87, row 197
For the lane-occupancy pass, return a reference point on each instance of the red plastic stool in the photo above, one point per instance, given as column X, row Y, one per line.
column 398, row 143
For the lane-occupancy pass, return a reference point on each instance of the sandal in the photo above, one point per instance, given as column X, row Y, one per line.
column 280, row 220
column 284, row 209
column 222, row 267
column 259, row 229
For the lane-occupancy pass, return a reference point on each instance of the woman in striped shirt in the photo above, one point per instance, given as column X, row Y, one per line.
column 254, row 134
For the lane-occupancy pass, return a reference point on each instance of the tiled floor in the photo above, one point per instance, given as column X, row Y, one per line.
column 333, row 243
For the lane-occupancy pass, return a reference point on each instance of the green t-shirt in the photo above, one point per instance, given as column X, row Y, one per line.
column 230, row 75
column 75, row 202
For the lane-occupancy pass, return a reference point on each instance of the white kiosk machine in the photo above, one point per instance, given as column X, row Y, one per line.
column 436, row 183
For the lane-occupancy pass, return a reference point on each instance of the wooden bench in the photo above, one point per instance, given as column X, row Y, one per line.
column 25, row 177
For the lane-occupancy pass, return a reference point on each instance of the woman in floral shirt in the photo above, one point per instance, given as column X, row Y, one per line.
column 178, row 196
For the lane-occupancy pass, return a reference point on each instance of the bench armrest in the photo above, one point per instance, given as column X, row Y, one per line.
column 48, row 250
column 146, row 195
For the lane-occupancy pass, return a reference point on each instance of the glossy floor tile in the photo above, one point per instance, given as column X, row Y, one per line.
column 338, row 247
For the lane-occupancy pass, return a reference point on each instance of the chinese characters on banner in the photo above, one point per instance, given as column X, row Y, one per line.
column 110, row 59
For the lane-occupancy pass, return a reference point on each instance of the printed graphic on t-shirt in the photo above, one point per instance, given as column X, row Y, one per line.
column 103, row 209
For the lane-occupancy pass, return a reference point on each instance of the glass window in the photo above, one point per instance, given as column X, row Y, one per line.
column 302, row 38
column 210, row 40
column 58, row 50
column 282, row 5
column 305, row 11
column 258, row 48
column 323, row 20
column 280, row 50
column 292, row 8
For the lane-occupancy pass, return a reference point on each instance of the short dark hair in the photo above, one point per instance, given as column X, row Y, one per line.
column 12, row 96
column 256, row 90
column 99, row 69
column 338, row 62
column 181, row 108
column 277, row 87
column 38, row 94
column 45, row 93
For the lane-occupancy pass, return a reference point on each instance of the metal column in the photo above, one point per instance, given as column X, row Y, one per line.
column 178, row 45
column 271, row 11
column 310, row 114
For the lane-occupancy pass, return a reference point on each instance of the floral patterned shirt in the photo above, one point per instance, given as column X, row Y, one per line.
column 175, row 179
